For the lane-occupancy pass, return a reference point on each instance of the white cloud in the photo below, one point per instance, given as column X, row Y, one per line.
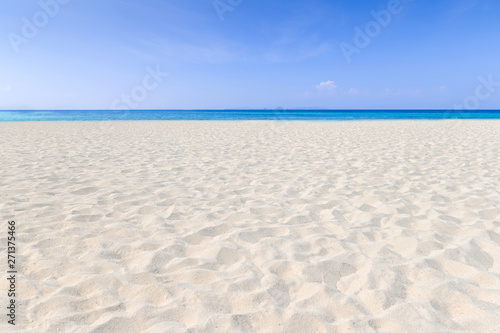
column 353, row 91
column 327, row 86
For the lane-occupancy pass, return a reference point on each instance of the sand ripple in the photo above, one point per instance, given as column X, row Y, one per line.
column 254, row 226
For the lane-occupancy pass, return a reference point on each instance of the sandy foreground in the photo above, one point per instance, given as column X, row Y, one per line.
column 384, row 226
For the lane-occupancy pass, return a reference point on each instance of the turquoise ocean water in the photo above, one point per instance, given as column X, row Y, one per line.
column 278, row 114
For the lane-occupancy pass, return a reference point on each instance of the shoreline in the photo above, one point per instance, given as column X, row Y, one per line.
column 312, row 121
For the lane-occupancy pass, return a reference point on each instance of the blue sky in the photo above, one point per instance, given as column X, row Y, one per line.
column 92, row 54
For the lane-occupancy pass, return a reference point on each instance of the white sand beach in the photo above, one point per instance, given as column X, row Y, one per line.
column 375, row 226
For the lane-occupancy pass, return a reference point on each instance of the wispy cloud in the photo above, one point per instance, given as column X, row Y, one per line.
column 464, row 6
column 298, row 53
column 209, row 54
column 353, row 92
column 209, row 51
column 402, row 92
